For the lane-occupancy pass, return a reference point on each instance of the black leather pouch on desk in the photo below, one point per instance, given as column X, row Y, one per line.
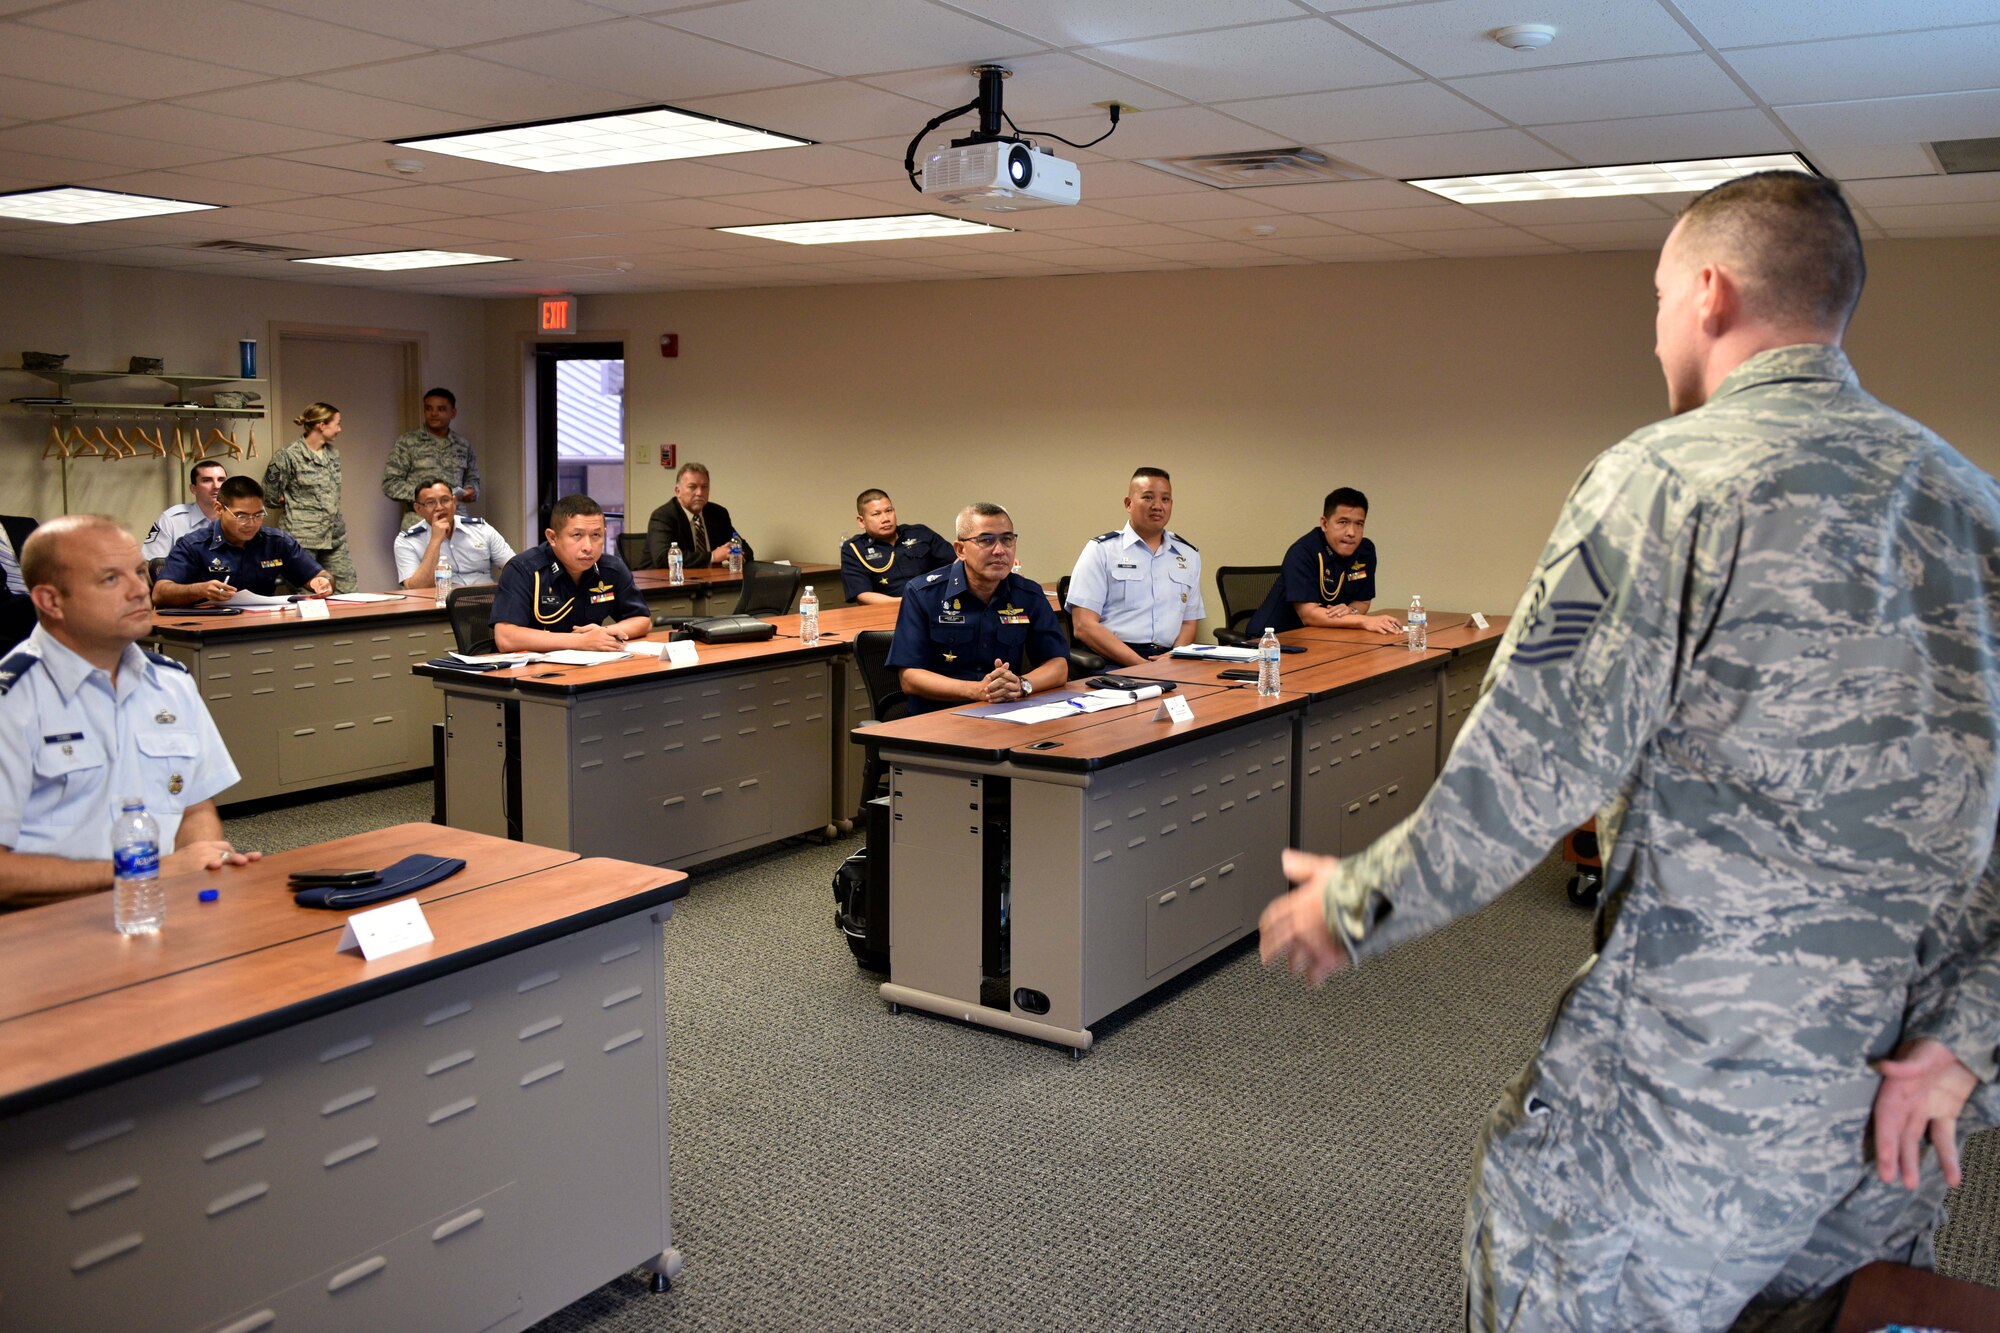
column 406, row 876
column 731, row 629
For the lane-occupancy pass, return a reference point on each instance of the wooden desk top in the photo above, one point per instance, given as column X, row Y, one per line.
column 1318, row 652
column 1439, row 620
column 1363, row 668
column 711, row 576
column 552, row 678
column 68, row 951
column 58, row 1051
column 954, row 732
column 1128, row 733
column 1461, row 637
column 167, row 625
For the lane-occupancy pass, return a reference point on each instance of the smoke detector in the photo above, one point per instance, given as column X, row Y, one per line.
column 406, row 166
column 1524, row 36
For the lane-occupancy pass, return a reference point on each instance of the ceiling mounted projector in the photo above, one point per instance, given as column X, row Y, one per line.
column 1000, row 177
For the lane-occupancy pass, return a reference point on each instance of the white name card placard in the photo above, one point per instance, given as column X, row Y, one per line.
column 1174, row 708
column 1479, row 621
column 385, row 930
column 313, row 608
column 681, row 653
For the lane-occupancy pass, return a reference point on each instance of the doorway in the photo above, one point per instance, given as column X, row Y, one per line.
column 580, row 429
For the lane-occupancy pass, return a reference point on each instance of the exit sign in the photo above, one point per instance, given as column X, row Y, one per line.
column 558, row 314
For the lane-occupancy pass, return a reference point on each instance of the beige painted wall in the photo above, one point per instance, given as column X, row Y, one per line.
column 1463, row 396
column 102, row 315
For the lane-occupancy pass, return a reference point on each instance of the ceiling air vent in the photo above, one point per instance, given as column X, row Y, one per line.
column 1260, row 166
column 248, row 248
column 1961, row 156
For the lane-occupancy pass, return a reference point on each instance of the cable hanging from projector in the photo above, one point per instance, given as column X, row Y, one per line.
column 989, row 169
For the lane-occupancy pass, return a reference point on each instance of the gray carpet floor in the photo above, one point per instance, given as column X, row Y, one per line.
column 1234, row 1153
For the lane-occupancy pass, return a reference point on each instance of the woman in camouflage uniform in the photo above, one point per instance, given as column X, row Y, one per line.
column 304, row 478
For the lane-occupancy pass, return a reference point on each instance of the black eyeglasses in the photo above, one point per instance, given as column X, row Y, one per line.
column 246, row 516
column 986, row 541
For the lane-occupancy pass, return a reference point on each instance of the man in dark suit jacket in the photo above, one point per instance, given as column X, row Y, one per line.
column 17, row 613
column 701, row 528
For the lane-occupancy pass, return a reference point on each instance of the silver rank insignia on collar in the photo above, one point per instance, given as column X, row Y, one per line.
column 164, row 718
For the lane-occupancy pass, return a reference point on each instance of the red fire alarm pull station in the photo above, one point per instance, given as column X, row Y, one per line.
column 670, row 344
column 556, row 314
column 668, row 453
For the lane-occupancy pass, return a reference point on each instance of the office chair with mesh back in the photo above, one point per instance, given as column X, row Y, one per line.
column 886, row 702
column 632, row 549
column 470, row 610
column 1243, row 589
column 768, row 589
column 1082, row 662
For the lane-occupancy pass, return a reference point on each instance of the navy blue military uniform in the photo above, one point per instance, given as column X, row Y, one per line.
column 537, row 592
column 868, row 565
column 1313, row 573
column 944, row 628
column 255, row 566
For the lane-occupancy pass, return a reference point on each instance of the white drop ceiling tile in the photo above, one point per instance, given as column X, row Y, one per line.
column 235, row 135
column 1093, row 22
column 41, row 169
column 1284, row 226
column 1634, row 234
column 448, row 23
column 1295, row 56
column 1922, row 233
column 1211, row 203
column 1657, row 86
column 446, row 199
column 824, row 112
column 1342, row 196
column 467, row 87
column 57, row 140
column 33, row 53
column 1474, row 240
column 1431, row 155
column 1978, row 187
column 1754, row 22
column 1893, row 120
column 820, row 164
column 577, row 221
column 848, row 38
column 1669, row 138
column 1043, row 87
column 371, row 161
column 368, row 240
column 1131, row 237
column 1896, row 65
column 700, row 213
column 28, row 99
column 1896, row 217
column 216, row 224
column 998, row 266
column 1178, row 131
column 1078, row 219
column 1375, row 113
column 1338, row 247
column 646, row 61
column 242, row 36
column 1128, row 180
column 1450, row 39
column 1397, row 221
column 686, row 178
column 280, row 173
column 195, row 189
column 332, row 110
column 1850, row 162
column 358, row 209
column 1611, row 208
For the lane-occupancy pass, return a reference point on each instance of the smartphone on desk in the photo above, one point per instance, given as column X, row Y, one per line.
column 1237, row 673
column 341, row 879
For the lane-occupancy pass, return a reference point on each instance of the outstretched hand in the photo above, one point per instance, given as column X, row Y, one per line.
column 1924, row 1086
column 210, row 854
column 1294, row 926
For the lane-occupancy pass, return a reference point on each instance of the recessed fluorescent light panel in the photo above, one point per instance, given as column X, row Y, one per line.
column 71, row 204
column 395, row 261
column 840, row 230
column 1596, row 182
column 649, row 134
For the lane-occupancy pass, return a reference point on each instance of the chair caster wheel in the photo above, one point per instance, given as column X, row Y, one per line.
column 1583, row 888
column 661, row 1284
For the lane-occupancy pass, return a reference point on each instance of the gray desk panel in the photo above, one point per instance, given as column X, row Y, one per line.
column 474, row 1152
column 1366, row 757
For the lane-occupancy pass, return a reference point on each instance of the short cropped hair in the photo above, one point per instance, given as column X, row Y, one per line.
column 690, row 467
column 1343, row 496
column 43, row 554
column 869, row 497
column 572, row 506
column 1159, row 472
column 239, row 488
column 1794, row 239
column 445, row 394
column 975, row 511
column 429, row 482
column 194, row 473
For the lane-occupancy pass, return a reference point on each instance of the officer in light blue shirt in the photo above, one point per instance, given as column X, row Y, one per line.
column 1136, row 593
column 472, row 549
column 87, row 719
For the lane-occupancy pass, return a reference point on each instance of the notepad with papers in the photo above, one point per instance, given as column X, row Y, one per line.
column 1216, row 652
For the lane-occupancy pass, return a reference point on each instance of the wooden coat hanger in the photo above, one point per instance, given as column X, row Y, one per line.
column 55, row 448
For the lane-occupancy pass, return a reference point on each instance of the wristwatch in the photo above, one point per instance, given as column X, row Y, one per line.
column 1027, row 686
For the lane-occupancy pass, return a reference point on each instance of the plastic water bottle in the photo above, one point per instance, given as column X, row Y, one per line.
column 676, row 565
column 442, row 577
column 138, row 904
column 1416, row 626
column 735, row 553
column 1268, row 654
column 809, row 617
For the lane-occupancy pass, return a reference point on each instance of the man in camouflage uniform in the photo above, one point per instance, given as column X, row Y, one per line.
column 435, row 451
column 305, row 483
column 1761, row 644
